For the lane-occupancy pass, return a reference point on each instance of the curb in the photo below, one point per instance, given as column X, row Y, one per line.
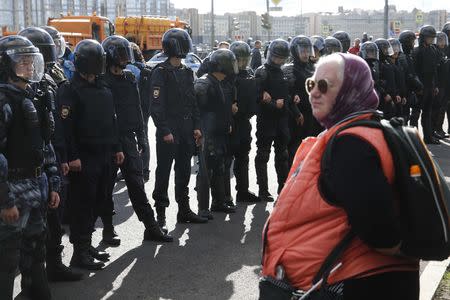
column 431, row 277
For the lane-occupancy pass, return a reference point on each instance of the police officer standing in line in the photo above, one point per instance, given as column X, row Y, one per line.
column 301, row 121
column 29, row 181
column 387, row 87
column 215, row 114
column 243, row 110
column 86, row 111
column 370, row 53
column 55, row 70
column 56, row 270
column 332, row 45
column 272, row 119
column 319, row 48
column 132, row 137
column 400, row 79
column 426, row 58
column 143, row 75
column 443, row 79
column 413, row 83
column 176, row 116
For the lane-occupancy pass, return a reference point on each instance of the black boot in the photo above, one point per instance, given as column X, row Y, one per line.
column 154, row 233
column 161, row 218
column 56, row 270
column 247, row 196
column 109, row 234
column 265, row 196
column 206, row 213
column 81, row 257
column 262, row 179
column 97, row 254
column 218, row 196
column 34, row 283
column 186, row 215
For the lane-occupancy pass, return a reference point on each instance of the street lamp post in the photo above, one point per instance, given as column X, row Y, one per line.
column 386, row 19
column 212, row 25
column 268, row 18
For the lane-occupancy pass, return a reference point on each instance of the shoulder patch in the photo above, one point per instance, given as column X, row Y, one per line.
column 156, row 92
column 65, row 111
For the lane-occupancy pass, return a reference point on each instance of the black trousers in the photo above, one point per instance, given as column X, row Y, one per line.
column 88, row 191
column 181, row 152
column 145, row 156
column 426, row 102
column 132, row 173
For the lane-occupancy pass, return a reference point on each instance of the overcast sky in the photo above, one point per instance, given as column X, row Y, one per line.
column 293, row 7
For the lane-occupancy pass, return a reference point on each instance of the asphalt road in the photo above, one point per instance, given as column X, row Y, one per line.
column 218, row 260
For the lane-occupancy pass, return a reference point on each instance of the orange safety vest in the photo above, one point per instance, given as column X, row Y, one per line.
column 303, row 228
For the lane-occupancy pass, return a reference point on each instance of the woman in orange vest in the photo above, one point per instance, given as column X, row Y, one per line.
column 305, row 225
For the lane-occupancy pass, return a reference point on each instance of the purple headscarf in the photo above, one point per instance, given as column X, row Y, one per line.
column 357, row 92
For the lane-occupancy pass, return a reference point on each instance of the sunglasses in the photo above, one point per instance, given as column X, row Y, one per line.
column 322, row 85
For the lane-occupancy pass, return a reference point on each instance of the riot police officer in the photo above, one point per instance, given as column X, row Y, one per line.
column 176, row 116
column 272, row 118
column 444, row 76
column 332, row 45
column 132, row 136
column 344, row 38
column 301, row 121
column 400, row 78
column 319, row 48
column 243, row 110
column 414, row 85
column 387, row 88
column 426, row 58
column 86, row 110
column 56, row 270
column 29, row 181
column 55, row 70
column 143, row 74
column 215, row 116
column 370, row 53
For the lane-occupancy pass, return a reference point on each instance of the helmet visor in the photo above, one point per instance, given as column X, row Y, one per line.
column 124, row 55
column 397, row 47
column 60, row 44
column 242, row 62
column 304, row 52
column 442, row 41
column 333, row 49
column 370, row 53
column 28, row 66
column 275, row 60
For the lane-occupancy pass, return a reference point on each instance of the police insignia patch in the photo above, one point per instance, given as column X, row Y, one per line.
column 65, row 110
column 156, row 92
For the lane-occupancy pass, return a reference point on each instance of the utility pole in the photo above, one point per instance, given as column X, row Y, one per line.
column 268, row 16
column 212, row 25
column 386, row 19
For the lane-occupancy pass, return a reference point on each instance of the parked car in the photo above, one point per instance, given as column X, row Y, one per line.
column 191, row 60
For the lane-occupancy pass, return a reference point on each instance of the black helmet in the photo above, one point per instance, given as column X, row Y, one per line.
column 446, row 29
column 176, row 42
column 242, row 52
column 332, row 45
column 301, row 48
column 344, row 38
column 58, row 39
column 318, row 44
column 89, row 57
column 43, row 40
column 427, row 31
column 384, row 47
column 407, row 39
column 441, row 40
column 396, row 45
column 365, row 38
column 369, row 50
column 224, row 61
column 118, row 51
column 278, row 53
column 19, row 58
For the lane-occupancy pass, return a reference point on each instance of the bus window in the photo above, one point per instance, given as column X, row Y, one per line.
column 96, row 32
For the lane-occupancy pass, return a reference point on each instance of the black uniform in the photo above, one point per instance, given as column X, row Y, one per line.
column 87, row 113
column 241, row 139
column 443, row 96
column 413, row 84
column 272, row 126
column 426, row 60
column 296, row 74
column 215, row 115
column 174, row 111
column 132, row 137
column 387, row 87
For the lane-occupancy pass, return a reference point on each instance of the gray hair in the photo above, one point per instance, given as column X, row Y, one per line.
column 336, row 59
